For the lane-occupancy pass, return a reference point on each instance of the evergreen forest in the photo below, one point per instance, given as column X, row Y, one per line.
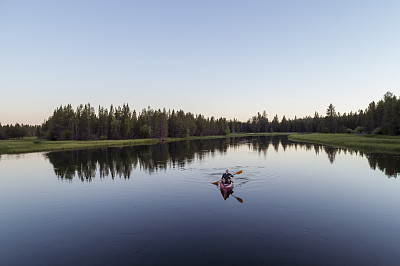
column 84, row 123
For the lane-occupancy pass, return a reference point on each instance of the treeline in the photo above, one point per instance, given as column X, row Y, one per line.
column 382, row 117
column 18, row 131
column 84, row 123
column 122, row 123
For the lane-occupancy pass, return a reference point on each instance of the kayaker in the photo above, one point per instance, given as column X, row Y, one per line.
column 226, row 177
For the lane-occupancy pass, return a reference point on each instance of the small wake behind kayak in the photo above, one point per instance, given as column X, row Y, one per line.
column 226, row 187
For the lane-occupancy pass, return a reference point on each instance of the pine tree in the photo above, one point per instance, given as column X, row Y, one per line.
column 331, row 119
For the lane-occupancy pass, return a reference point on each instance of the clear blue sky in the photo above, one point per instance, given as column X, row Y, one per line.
column 217, row 58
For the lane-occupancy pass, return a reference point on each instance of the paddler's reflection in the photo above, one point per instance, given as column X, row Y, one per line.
column 225, row 193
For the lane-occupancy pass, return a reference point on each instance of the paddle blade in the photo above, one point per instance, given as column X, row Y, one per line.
column 216, row 182
column 238, row 173
column 239, row 199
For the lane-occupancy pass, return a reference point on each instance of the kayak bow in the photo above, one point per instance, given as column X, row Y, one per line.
column 226, row 187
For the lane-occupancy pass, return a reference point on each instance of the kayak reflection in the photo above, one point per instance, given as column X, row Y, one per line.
column 227, row 190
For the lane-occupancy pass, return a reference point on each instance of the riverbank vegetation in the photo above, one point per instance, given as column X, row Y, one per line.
column 366, row 143
column 120, row 123
column 35, row 145
column 32, row 144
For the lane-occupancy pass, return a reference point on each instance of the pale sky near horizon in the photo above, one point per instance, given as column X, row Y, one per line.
column 219, row 58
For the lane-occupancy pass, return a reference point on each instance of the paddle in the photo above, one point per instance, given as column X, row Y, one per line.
column 238, row 173
column 238, row 199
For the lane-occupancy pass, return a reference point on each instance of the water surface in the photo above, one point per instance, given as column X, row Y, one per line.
column 302, row 204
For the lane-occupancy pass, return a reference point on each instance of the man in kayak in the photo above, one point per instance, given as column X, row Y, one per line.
column 226, row 177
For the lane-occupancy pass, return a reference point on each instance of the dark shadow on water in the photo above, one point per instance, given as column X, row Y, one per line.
column 331, row 152
column 388, row 164
column 120, row 162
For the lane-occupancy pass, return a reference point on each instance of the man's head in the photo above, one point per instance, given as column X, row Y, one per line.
column 227, row 171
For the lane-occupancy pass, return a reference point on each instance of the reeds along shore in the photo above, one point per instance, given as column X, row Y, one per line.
column 27, row 145
column 366, row 143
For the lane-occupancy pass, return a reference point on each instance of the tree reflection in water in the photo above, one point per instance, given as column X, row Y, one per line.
column 121, row 161
column 389, row 164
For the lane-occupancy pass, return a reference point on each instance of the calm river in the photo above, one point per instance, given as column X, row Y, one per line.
column 301, row 204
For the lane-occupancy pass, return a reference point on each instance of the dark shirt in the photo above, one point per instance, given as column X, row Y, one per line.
column 226, row 176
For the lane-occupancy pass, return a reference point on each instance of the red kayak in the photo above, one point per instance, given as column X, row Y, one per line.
column 226, row 187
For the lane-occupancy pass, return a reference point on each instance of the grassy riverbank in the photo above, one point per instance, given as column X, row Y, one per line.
column 27, row 145
column 34, row 145
column 367, row 143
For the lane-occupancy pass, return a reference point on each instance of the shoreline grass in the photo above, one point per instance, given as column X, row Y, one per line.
column 29, row 145
column 365, row 143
